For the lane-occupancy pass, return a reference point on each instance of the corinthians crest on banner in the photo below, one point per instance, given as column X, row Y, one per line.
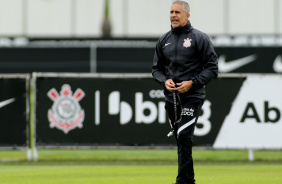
column 66, row 113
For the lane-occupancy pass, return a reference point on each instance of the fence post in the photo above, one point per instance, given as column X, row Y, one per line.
column 251, row 155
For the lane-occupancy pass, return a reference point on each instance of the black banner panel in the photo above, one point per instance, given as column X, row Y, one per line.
column 125, row 59
column 124, row 111
column 249, row 59
column 14, row 120
column 100, row 111
column 239, row 112
column 230, row 59
column 44, row 59
column 119, row 57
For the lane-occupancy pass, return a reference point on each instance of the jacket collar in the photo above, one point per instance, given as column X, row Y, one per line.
column 185, row 28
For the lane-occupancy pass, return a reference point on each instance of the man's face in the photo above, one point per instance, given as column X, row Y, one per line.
column 178, row 17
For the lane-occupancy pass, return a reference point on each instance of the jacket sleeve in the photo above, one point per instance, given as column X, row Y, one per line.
column 208, row 61
column 158, row 67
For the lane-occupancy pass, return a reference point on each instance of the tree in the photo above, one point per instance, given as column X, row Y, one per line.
column 106, row 27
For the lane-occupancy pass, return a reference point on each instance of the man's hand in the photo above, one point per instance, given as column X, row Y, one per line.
column 170, row 85
column 184, row 86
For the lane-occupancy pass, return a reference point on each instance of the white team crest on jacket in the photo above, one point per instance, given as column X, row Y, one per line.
column 187, row 42
column 66, row 113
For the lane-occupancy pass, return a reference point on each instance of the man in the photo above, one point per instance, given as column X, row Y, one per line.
column 184, row 63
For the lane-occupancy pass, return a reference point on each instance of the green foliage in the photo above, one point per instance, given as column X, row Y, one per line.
column 107, row 8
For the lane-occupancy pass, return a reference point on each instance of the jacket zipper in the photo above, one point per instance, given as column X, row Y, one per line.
column 175, row 61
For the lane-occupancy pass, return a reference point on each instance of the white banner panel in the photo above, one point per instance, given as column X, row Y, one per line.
column 254, row 120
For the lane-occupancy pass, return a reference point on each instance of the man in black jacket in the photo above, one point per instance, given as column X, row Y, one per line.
column 184, row 62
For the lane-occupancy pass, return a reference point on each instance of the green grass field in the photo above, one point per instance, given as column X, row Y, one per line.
column 137, row 167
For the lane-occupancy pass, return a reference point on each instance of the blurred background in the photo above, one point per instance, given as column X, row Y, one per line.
column 65, row 26
column 77, row 95
column 135, row 18
column 109, row 44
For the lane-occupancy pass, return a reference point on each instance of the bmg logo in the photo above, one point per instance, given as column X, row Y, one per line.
column 117, row 106
column 148, row 112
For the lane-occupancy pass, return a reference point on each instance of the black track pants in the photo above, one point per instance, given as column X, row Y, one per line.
column 187, row 115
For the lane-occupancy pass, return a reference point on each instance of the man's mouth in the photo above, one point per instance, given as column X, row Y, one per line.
column 174, row 21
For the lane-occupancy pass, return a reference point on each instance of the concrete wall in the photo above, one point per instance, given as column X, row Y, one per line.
column 136, row 18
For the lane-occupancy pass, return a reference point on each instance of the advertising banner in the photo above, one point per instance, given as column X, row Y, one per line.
column 240, row 111
column 103, row 111
column 126, row 57
column 230, row 59
column 254, row 120
column 14, row 110
column 44, row 59
column 249, row 59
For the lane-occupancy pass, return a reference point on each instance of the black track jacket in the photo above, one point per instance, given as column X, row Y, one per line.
column 184, row 54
